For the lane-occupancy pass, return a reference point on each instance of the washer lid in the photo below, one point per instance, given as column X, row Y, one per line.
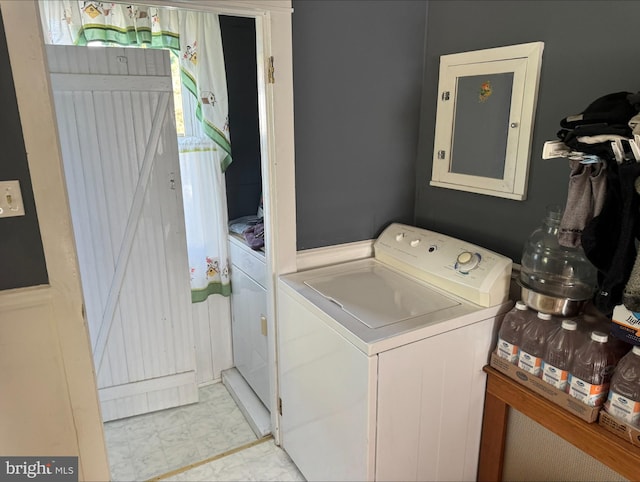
column 377, row 296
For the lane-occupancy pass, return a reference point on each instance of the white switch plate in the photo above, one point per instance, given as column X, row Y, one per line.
column 10, row 199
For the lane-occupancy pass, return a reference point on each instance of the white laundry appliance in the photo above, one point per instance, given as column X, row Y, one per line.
column 380, row 359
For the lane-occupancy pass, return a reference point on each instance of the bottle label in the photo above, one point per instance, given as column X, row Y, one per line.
column 530, row 363
column 554, row 376
column 592, row 395
column 623, row 408
column 507, row 351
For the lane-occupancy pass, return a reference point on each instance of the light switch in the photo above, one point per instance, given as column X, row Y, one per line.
column 10, row 199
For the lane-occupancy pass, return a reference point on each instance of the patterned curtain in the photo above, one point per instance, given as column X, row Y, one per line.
column 195, row 37
column 204, row 214
column 72, row 22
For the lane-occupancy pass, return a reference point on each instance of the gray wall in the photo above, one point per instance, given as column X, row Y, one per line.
column 243, row 177
column 589, row 51
column 21, row 256
column 357, row 71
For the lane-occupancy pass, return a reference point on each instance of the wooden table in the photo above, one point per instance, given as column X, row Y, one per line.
column 503, row 392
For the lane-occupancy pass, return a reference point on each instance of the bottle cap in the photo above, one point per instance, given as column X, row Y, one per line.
column 599, row 337
column 636, row 350
column 544, row 316
column 554, row 213
column 521, row 305
column 569, row 325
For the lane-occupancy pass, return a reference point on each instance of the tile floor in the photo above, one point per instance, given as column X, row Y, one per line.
column 150, row 445
column 262, row 462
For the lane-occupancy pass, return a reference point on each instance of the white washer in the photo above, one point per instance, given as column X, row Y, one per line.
column 380, row 359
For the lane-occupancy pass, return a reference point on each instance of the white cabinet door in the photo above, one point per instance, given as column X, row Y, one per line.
column 249, row 328
column 496, row 89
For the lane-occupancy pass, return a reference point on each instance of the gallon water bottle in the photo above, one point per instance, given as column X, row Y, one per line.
column 557, row 359
column 510, row 334
column 591, row 371
column 534, row 343
column 624, row 396
column 554, row 270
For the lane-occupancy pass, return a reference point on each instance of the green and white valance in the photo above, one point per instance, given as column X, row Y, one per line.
column 72, row 22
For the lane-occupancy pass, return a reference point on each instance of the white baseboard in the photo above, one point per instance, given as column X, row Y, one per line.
column 255, row 413
column 151, row 385
column 338, row 253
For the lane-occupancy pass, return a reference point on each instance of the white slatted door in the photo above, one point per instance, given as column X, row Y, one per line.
column 117, row 132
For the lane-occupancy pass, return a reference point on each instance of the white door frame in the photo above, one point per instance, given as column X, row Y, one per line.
column 275, row 113
column 35, row 103
column 77, row 427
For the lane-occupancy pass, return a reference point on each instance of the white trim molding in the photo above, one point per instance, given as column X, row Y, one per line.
column 65, row 359
column 230, row 7
column 338, row 253
column 457, row 106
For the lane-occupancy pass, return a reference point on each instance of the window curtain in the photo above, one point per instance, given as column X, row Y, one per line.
column 73, row 22
column 201, row 179
column 195, row 37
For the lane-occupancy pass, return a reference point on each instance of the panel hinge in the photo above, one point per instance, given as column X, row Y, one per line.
column 445, row 95
column 271, row 78
column 441, row 154
column 280, row 406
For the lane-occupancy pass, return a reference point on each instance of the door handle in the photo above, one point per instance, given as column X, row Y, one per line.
column 263, row 325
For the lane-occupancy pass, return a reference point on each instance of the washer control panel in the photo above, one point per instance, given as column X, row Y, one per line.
column 467, row 270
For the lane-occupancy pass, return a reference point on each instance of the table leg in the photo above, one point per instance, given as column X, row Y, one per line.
column 494, row 428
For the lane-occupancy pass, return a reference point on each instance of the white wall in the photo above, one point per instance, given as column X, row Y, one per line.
column 48, row 400
column 528, row 443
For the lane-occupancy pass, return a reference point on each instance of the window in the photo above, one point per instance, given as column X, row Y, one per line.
column 177, row 93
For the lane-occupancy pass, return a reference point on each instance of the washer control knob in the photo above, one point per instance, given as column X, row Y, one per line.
column 414, row 243
column 467, row 261
column 400, row 236
column 464, row 258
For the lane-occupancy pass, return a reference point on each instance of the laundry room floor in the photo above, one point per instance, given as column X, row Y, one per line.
column 209, row 440
column 264, row 461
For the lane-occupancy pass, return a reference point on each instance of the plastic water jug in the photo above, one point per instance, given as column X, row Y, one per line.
column 623, row 401
column 534, row 343
column 591, row 370
column 560, row 350
column 510, row 334
column 554, row 270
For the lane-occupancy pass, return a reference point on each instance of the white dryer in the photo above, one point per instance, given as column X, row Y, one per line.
column 380, row 359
